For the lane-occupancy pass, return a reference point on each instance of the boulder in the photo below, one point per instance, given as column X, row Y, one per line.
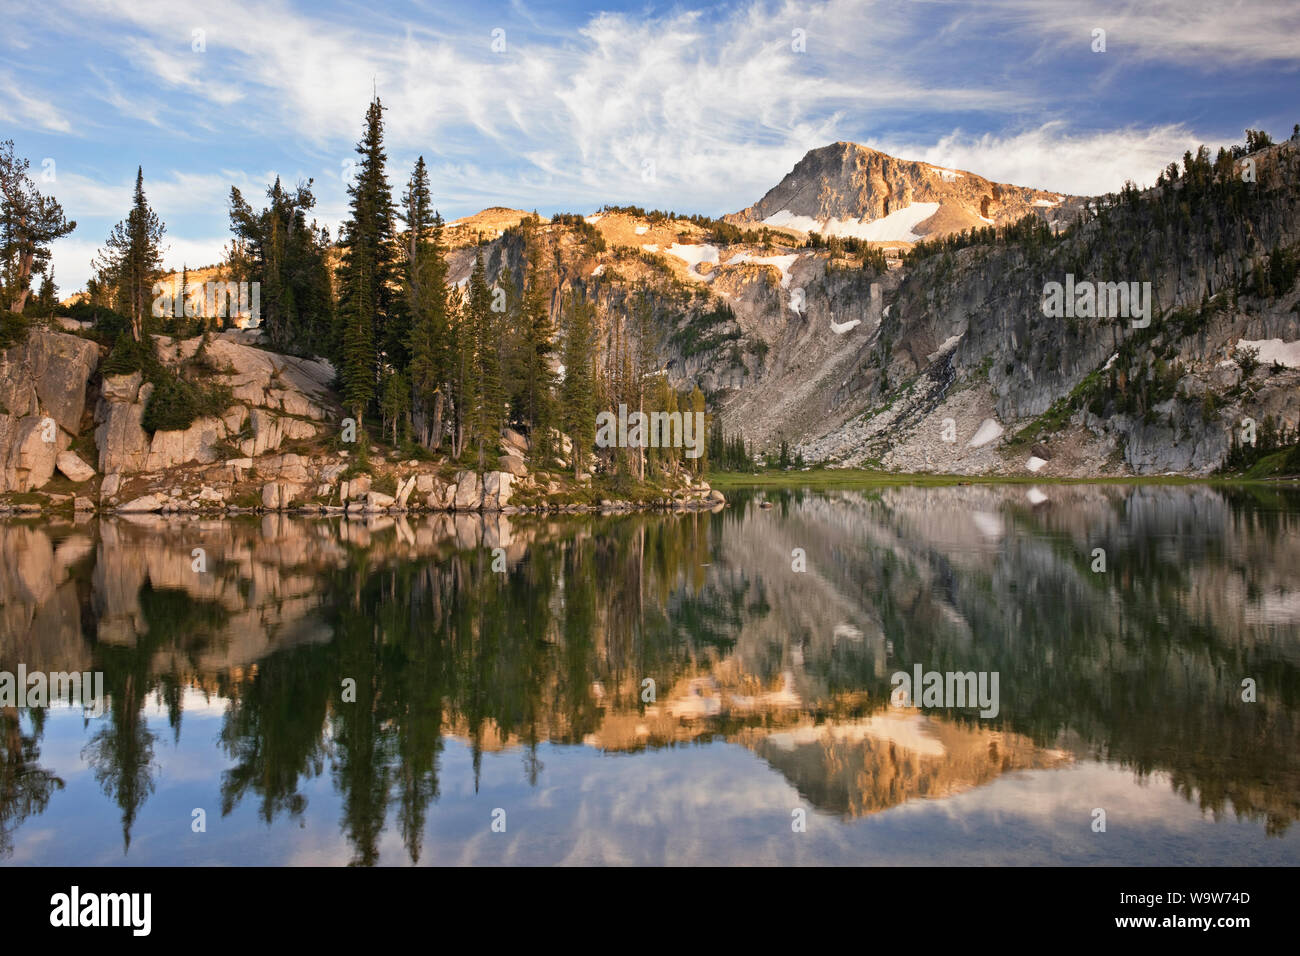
column 123, row 444
column 404, row 489
column 378, row 501
column 152, row 502
column 424, row 483
column 73, row 467
column 469, row 491
column 279, row 495
column 121, row 388
column 82, row 504
column 496, row 490
column 513, row 464
column 285, row 467
column 108, row 488
column 356, row 488
column 47, row 375
column 27, row 459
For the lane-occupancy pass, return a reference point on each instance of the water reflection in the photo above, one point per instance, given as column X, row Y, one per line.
column 344, row 665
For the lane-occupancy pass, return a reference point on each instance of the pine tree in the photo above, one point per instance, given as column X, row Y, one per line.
column 280, row 250
column 647, row 346
column 129, row 263
column 578, row 408
column 489, row 392
column 534, row 375
column 358, row 368
column 48, row 298
column 368, row 268
column 29, row 222
column 425, row 286
column 180, row 308
column 396, row 404
column 696, row 404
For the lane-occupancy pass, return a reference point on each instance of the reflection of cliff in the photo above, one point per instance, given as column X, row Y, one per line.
column 871, row 764
column 1143, row 662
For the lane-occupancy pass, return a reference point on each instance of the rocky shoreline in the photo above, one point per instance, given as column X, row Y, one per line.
column 276, row 447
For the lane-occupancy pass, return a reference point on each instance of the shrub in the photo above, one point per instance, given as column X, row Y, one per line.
column 176, row 403
column 104, row 321
column 126, row 357
column 13, row 328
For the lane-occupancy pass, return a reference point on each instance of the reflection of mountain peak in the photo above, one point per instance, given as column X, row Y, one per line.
column 871, row 764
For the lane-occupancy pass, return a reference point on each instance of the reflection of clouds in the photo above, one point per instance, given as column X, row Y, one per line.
column 989, row 525
column 1279, row 607
column 913, row 732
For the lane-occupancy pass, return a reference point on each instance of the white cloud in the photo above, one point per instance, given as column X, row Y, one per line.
column 1052, row 157
column 1206, row 33
column 22, row 108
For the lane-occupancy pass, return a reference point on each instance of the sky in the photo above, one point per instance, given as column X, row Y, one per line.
column 564, row 107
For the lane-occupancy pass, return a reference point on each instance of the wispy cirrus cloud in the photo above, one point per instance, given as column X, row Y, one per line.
column 696, row 109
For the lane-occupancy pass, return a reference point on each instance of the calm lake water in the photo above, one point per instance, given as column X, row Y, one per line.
column 333, row 692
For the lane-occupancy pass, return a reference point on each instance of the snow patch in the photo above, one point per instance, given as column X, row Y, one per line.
column 598, row 270
column 1048, row 202
column 596, row 218
column 988, row 431
column 693, row 255
column 1274, row 350
column 948, row 345
column 1035, row 464
column 642, row 230
column 898, row 226
column 839, row 329
column 782, row 263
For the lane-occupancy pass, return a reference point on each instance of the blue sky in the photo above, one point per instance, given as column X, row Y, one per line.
column 585, row 101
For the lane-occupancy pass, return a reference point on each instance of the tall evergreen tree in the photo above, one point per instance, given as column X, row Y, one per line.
column 425, row 286
column 578, row 392
column 29, row 222
column 488, row 390
column 129, row 262
column 358, row 339
column 534, row 377
column 368, row 273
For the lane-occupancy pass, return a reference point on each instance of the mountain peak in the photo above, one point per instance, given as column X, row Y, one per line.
column 847, row 189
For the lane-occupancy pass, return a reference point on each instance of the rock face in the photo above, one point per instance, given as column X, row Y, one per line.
column 43, row 383
column 279, row 398
column 469, row 492
column 496, row 490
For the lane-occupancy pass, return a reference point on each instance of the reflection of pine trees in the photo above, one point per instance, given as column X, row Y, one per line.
column 274, row 731
column 25, row 786
column 121, row 754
